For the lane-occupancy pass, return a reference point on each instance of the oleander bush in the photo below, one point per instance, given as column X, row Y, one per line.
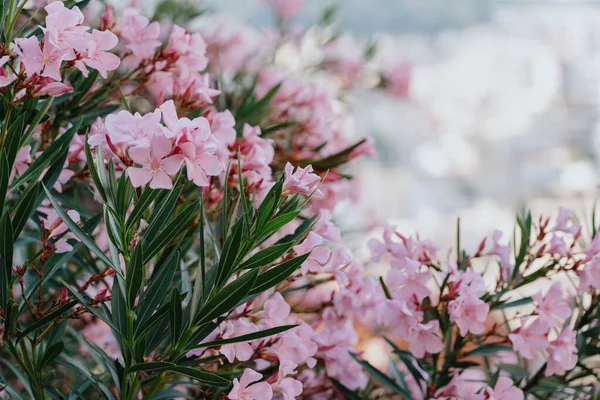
column 167, row 229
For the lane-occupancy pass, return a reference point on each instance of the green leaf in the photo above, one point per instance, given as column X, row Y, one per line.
column 93, row 170
column 43, row 111
column 152, row 366
column 5, row 169
column 147, row 197
column 51, row 354
column 47, row 319
column 13, row 138
column 246, row 338
column 516, row 303
column 161, row 214
column 81, row 235
column 277, row 222
column 6, row 244
column 266, row 256
column 514, row 370
column 277, row 274
column 159, row 285
column 227, row 298
column 180, row 224
column 486, row 350
column 176, row 316
column 50, row 155
column 83, row 300
column 347, row 393
column 135, row 276
column 381, row 377
column 201, row 375
column 25, row 208
column 230, row 252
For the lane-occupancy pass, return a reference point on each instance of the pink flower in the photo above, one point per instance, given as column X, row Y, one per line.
column 397, row 79
column 55, row 226
column 469, row 314
column 379, row 249
column 562, row 222
column 140, row 35
column 242, row 350
column 44, row 62
column 399, row 317
column 55, row 89
column 275, row 311
column 194, row 139
column 424, row 338
column 95, row 56
column 505, row 390
column 303, row 180
column 190, row 48
column 406, row 274
column 156, row 167
column 222, row 126
column 552, row 308
column 5, row 79
column 64, row 30
column 97, row 135
column 562, row 353
column 319, row 255
column 326, row 228
column 290, row 388
column 589, row 276
column 558, row 246
column 530, row 337
column 504, row 253
column 286, row 9
column 133, row 130
column 21, row 163
column 245, row 390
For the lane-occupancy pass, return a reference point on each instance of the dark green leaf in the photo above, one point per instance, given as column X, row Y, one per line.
column 246, row 338
column 176, row 316
column 81, row 235
column 51, row 353
column 135, row 276
column 159, row 285
column 230, row 252
column 486, row 350
column 381, row 377
column 266, row 256
column 277, row 274
column 227, row 298
column 47, row 319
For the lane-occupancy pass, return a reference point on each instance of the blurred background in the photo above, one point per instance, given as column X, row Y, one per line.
column 500, row 112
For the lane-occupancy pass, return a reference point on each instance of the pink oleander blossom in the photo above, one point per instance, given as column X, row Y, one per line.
column 411, row 280
column 44, row 62
column 157, row 166
column 246, row 389
column 424, row 338
column 552, row 307
column 562, row 353
column 141, row 36
column 530, row 338
column 5, row 78
column 469, row 313
column 96, row 55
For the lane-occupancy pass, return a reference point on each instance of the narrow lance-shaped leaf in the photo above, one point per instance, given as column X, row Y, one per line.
column 246, row 338
column 230, row 253
column 81, row 235
column 157, row 289
column 176, row 316
column 227, row 298
column 135, row 276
